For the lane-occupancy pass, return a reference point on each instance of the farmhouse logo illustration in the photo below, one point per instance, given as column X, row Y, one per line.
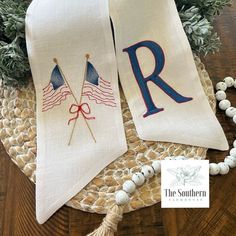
column 186, row 175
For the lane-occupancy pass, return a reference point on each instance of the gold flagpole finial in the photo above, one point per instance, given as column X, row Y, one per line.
column 87, row 56
column 55, row 60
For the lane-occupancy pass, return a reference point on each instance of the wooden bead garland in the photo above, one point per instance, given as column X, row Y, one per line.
column 147, row 172
column 230, row 111
column 138, row 179
column 224, row 103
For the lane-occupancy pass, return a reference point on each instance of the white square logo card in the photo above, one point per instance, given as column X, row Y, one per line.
column 185, row 184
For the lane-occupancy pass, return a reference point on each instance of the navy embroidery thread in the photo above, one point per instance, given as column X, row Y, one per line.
column 97, row 89
column 56, row 91
column 154, row 77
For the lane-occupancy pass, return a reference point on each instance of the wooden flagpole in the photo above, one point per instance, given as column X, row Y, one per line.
column 78, row 103
column 81, row 96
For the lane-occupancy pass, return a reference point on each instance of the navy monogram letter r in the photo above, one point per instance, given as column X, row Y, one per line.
column 154, row 77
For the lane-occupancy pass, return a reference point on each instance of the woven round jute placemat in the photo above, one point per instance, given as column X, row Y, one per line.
column 18, row 135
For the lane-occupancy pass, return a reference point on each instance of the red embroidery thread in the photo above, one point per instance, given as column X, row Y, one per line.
column 85, row 110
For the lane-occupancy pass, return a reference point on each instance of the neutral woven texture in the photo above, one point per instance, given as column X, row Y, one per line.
column 18, row 135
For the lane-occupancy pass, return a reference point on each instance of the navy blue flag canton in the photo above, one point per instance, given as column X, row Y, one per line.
column 97, row 89
column 56, row 91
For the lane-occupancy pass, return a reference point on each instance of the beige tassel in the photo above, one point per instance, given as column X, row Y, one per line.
column 110, row 222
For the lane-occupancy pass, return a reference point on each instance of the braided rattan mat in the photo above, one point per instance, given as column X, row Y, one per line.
column 18, row 135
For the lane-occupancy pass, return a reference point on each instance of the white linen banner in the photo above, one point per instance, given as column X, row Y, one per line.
column 159, row 76
column 79, row 121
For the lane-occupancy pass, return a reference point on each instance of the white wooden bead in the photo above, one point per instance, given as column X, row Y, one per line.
column 156, row 165
column 180, row 158
column 224, row 169
column 229, row 81
column 147, row 172
column 234, row 119
column 221, row 86
column 233, row 152
column 230, row 112
column 230, row 161
column 232, row 158
column 234, row 143
column 214, row 169
column 129, row 186
column 138, row 179
column 224, row 104
column 122, row 198
column 220, row 95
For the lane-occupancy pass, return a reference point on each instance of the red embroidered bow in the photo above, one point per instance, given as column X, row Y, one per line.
column 83, row 108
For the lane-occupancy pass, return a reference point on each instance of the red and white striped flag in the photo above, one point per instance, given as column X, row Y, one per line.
column 56, row 91
column 98, row 89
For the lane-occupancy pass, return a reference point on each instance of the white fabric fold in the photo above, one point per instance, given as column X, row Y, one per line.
column 159, row 76
column 59, row 35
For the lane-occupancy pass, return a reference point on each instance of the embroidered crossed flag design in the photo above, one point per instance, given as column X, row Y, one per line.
column 57, row 91
column 94, row 88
